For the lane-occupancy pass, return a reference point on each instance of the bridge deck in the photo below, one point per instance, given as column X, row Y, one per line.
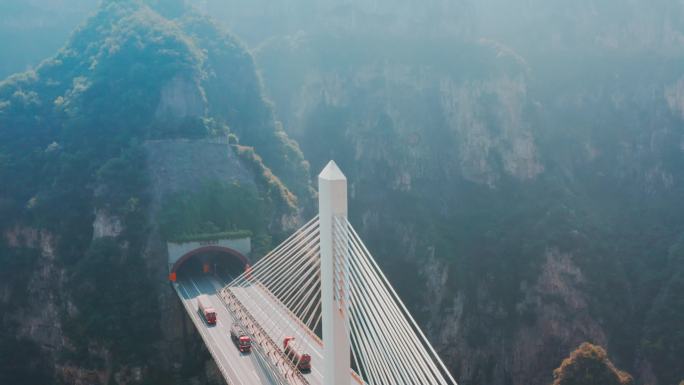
column 237, row 368
column 279, row 323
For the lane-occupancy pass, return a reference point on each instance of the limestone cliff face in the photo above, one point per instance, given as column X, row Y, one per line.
column 43, row 286
column 509, row 184
column 106, row 225
column 478, row 127
column 480, row 142
column 40, row 317
column 181, row 98
column 674, row 94
column 557, row 318
column 178, row 165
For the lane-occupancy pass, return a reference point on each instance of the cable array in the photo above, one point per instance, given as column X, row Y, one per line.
column 283, row 291
column 387, row 346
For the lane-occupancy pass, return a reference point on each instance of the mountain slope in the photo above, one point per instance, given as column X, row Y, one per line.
column 79, row 209
column 533, row 186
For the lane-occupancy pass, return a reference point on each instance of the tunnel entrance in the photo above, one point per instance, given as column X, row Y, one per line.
column 224, row 262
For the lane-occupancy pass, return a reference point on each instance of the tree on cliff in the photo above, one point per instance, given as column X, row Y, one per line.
column 589, row 365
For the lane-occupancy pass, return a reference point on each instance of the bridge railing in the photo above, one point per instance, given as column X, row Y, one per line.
column 271, row 349
column 290, row 314
column 202, row 330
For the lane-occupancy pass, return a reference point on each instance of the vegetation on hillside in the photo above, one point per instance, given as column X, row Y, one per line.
column 664, row 335
column 216, row 211
column 474, row 158
column 116, row 304
column 589, row 365
column 203, row 237
column 22, row 361
column 71, row 147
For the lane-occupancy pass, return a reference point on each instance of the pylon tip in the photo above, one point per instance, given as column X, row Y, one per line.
column 332, row 172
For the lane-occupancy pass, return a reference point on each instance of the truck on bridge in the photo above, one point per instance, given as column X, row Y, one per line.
column 206, row 310
column 294, row 353
column 240, row 338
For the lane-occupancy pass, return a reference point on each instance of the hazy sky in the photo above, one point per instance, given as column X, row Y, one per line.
column 35, row 29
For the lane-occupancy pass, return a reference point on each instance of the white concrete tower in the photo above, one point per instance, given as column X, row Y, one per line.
column 332, row 202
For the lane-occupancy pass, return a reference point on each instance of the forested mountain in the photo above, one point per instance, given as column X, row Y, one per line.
column 516, row 168
column 527, row 159
column 83, row 213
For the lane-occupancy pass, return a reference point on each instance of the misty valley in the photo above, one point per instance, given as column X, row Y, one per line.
column 504, row 205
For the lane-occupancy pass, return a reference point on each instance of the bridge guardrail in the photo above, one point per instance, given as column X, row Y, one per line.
column 200, row 328
column 355, row 376
column 275, row 354
column 289, row 312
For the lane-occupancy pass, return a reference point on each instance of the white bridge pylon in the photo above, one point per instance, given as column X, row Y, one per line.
column 323, row 287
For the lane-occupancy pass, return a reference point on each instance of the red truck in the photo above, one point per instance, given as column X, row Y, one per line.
column 293, row 352
column 206, row 310
column 240, row 339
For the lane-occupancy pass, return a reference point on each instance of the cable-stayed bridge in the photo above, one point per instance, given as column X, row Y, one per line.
column 317, row 309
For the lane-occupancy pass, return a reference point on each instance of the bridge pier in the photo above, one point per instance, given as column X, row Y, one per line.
column 332, row 203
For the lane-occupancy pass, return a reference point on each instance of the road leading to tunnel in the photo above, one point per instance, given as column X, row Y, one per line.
column 238, row 368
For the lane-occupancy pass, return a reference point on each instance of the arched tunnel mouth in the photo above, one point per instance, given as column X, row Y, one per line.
column 222, row 262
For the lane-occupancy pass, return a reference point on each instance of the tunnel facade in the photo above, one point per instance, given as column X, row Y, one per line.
column 182, row 253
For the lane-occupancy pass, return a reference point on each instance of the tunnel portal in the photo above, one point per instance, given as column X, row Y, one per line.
column 226, row 258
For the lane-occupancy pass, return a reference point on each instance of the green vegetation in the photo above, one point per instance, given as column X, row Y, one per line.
column 72, row 146
column 17, row 266
column 663, row 339
column 22, row 361
column 218, row 211
column 403, row 119
column 213, row 211
column 589, row 365
column 237, row 98
column 273, row 188
column 213, row 236
column 428, row 133
column 116, row 302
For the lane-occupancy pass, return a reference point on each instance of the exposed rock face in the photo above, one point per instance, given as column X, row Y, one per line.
column 557, row 318
column 510, row 182
column 180, row 98
column 674, row 94
column 478, row 127
column 185, row 165
column 39, row 319
column 517, row 186
column 480, row 142
column 106, row 225
column 43, row 287
column 560, row 307
column 80, row 376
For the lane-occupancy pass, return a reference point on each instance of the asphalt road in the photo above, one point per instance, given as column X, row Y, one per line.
column 237, row 368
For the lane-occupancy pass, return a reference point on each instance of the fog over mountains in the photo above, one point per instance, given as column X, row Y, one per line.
column 516, row 167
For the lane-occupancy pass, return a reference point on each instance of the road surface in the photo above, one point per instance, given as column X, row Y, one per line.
column 279, row 323
column 237, row 368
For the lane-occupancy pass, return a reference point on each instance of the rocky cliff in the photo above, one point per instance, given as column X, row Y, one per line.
column 516, row 168
column 96, row 145
column 533, row 185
